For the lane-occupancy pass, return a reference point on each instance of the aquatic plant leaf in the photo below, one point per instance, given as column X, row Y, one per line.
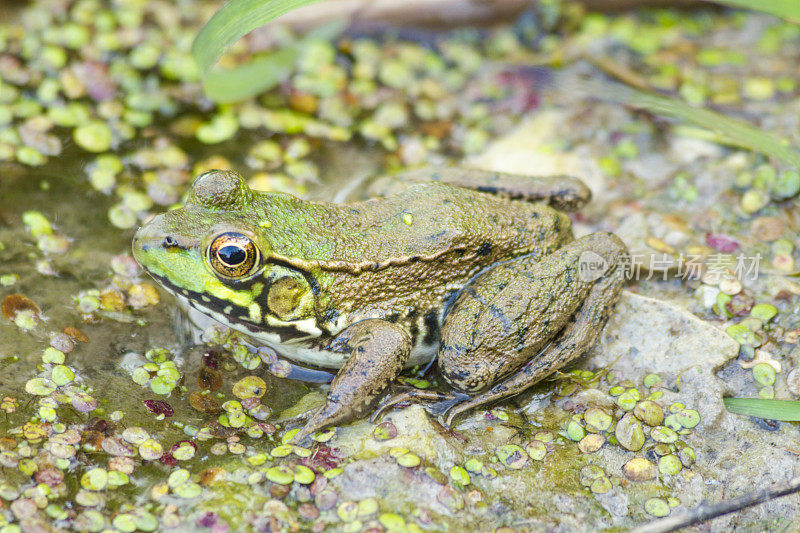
column 786, row 410
column 234, row 20
column 260, row 73
column 256, row 76
column 735, row 132
column 788, row 9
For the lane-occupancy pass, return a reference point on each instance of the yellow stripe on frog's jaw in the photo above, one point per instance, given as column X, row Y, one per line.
column 215, row 288
column 184, row 269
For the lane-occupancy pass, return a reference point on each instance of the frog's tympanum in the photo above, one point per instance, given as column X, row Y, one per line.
column 479, row 270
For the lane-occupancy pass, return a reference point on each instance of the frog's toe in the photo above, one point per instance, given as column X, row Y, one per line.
column 417, row 395
column 457, row 409
column 447, row 403
column 319, row 419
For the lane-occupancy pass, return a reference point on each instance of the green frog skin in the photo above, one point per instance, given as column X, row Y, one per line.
column 477, row 269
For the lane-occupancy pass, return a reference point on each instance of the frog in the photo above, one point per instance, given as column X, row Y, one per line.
column 476, row 271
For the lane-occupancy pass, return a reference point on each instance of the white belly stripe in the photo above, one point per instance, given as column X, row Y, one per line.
column 295, row 350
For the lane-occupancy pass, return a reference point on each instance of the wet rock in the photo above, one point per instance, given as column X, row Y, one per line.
column 517, row 152
column 656, row 336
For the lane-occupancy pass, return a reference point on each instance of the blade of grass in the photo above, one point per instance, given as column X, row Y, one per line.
column 788, row 9
column 737, row 132
column 232, row 21
column 266, row 71
column 786, row 410
column 256, row 76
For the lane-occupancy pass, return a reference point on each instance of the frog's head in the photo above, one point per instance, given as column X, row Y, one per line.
column 214, row 255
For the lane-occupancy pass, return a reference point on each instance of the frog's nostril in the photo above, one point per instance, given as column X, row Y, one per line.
column 169, row 242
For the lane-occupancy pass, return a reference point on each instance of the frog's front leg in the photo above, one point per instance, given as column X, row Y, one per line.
column 378, row 350
column 522, row 320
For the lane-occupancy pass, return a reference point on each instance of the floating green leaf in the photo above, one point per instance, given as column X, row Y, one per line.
column 786, row 410
column 788, row 9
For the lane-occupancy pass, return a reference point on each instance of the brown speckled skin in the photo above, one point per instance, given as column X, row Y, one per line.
column 442, row 252
column 509, row 314
column 381, row 277
column 528, row 319
column 518, row 321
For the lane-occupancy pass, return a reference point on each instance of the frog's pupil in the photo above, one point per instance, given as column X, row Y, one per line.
column 232, row 255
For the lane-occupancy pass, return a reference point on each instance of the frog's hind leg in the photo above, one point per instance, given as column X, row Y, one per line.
column 377, row 352
column 527, row 321
column 562, row 192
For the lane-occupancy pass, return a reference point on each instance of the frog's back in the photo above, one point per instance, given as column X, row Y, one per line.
column 401, row 257
column 422, row 223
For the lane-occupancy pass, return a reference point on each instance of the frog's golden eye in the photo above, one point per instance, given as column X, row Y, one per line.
column 232, row 254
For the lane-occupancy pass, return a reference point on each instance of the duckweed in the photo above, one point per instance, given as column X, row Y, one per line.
column 589, row 444
column 61, row 375
column 601, row 485
column 628, row 399
column 649, row 412
column 347, row 511
column 764, row 312
column 657, row 507
column 664, row 435
column 669, row 464
column 408, row 460
column 787, row 185
column 40, row 386
column 367, row 507
column 688, row 418
column 282, row 475
column 460, row 475
column 95, row 479
column 188, row 490
column 589, row 473
column 511, row 456
column 117, row 478
column 629, row 433
column 392, row 522
column 764, row 374
column 303, row 475
column 575, row 431
column 639, row 469
column 536, row 450
column 94, row 136
column 281, row 451
column 597, row 419
column 125, row 523
column 178, row 477
column 150, row 450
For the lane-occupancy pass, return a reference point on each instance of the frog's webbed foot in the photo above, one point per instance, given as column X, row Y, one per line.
column 378, row 350
column 526, row 322
column 437, row 402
